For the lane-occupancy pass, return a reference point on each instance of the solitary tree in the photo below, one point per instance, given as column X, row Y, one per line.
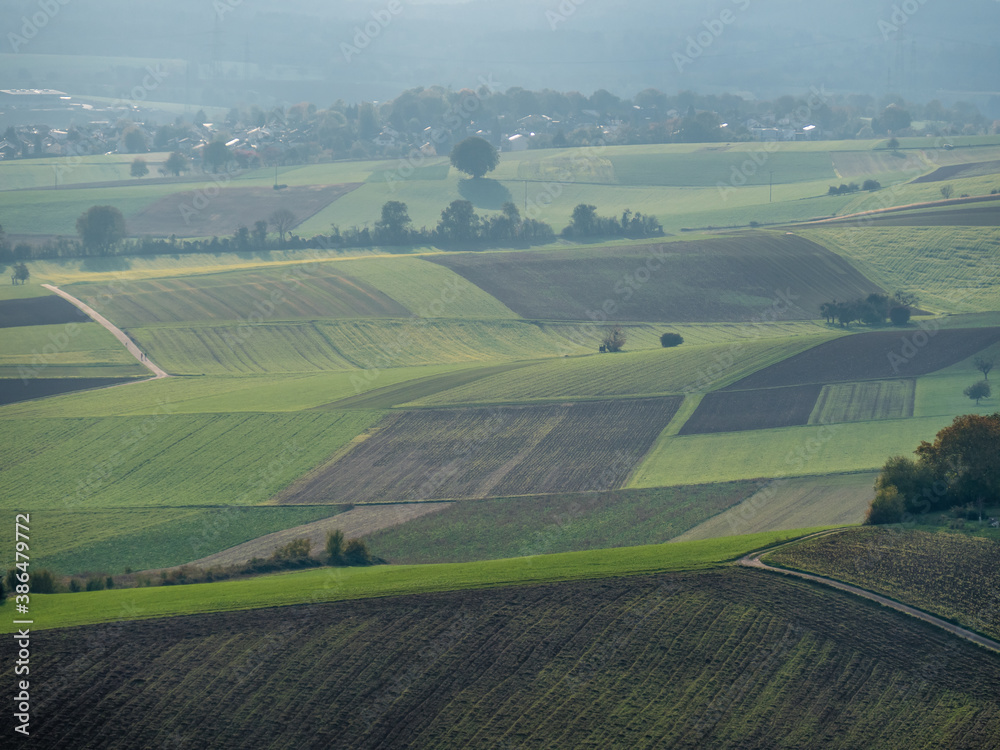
column 176, row 163
column 282, row 220
column 139, row 168
column 947, row 191
column 984, row 364
column 474, row 156
column 101, row 228
column 671, row 339
column 614, row 339
column 978, row 391
column 20, row 275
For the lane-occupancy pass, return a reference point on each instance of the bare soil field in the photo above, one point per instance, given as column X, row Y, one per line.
column 736, row 411
column 213, row 211
column 726, row 659
column 725, row 279
column 39, row 311
column 15, row 390
column 958, row 171
column 439, row 454
column 904, row 353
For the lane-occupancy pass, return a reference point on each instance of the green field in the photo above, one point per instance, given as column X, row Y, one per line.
column 358, row 344
column 835, row 500
column 951, row 269
column 521, row 526
column 685, row 186
column 110, row 540
column 952, row 575
column 784, row 452
column 862, row 402
column 166, row 460
column 685, row 368
column 339, row 584
column 73, row 350
column 230, row 394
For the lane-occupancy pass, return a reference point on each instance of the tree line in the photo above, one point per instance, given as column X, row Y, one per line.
column 872, row 310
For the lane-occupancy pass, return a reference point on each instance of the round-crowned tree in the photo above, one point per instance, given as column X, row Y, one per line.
column 101, row 228
column 474, row 156
column 668, row 340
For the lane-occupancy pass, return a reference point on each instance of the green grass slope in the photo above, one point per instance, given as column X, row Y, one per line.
column 340, row 584
column 951, row 269
column 519, row 526
column 685, row 368
column 165, row 459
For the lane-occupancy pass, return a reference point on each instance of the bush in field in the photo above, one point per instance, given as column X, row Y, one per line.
column 43, row 582
column 297, row 548
column 899, row 315
column 614, row 339
column 95, row 584
column 356, row 553
column 887, row 507
column 978, row 391
column 668, row 340
column 335, row 547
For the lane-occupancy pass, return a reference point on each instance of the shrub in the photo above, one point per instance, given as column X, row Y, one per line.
column 335, row 547
column 668, row 340
column 356, row 552
column 614, row 339
column 95, row 584
column 109, row 582
column 74, row 586
column 43, row 582
column 899, row 315
column 294, row 549
column 887, row 507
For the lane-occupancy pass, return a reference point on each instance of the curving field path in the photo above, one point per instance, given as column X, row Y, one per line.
column 753, row 561
column 118, row 333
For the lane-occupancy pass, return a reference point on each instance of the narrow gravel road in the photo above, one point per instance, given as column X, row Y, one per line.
column 118, row 333
column 753, row 561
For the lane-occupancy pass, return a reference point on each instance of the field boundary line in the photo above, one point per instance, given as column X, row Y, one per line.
column 130, row 346
column 753, row 560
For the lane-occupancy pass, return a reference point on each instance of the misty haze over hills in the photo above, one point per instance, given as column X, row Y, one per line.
column 270, row 52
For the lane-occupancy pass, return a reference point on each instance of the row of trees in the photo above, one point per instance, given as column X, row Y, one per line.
column 870, row 185
column 872, row 310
